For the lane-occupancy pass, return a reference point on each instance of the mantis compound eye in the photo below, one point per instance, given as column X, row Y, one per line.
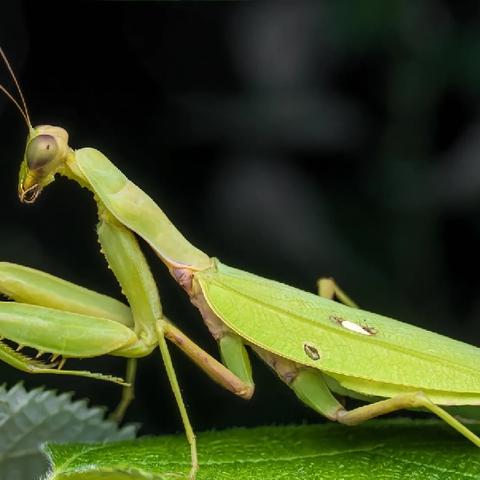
column 41, row 151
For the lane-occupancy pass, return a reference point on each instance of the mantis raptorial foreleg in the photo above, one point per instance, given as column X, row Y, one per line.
column 34, row 288
column 129, row 266
column 49, row 303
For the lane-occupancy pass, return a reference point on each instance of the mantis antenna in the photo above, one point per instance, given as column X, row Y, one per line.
column 24, row 110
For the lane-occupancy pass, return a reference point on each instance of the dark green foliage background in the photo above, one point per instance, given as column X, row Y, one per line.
column 291, row 139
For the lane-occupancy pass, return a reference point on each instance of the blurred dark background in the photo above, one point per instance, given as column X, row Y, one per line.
column 290, row 139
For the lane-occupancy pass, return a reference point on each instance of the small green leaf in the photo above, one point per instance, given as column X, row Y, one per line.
column 28, row 419
column 386, row 449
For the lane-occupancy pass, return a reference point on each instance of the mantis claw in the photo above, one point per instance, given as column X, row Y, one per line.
column 21, row 357
column 31, row 365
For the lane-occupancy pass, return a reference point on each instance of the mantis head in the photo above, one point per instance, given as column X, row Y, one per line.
column 45, row 155
column 47, row 147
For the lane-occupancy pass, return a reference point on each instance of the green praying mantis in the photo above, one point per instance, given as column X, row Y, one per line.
column 321, row 348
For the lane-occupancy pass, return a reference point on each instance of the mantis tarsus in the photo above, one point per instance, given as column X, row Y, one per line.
column 321, row 348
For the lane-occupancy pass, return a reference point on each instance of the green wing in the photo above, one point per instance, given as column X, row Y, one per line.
column 282, row 319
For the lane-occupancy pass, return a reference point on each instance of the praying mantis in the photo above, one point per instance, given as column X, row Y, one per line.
column 321, row 348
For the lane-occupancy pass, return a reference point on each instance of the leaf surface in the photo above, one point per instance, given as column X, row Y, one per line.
column 381, row 449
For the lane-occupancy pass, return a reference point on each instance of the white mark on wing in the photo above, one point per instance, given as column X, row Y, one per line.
column 353, row 327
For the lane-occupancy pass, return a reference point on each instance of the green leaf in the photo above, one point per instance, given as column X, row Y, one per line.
column 28, row 419
column 387, row 449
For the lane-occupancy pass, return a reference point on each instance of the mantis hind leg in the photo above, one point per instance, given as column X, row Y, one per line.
column 328, row 288
column 312, row 389
column 400, row 402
